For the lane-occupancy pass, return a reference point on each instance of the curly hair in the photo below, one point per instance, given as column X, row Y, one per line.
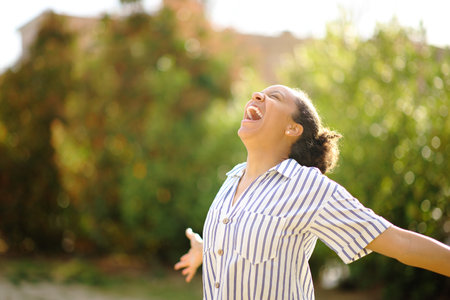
column 317, row 146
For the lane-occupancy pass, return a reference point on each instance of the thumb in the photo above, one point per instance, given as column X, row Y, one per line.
column 189, row 233
column 193, row 236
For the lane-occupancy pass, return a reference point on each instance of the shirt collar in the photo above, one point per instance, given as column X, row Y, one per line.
column 288, row 168
column 238, row 170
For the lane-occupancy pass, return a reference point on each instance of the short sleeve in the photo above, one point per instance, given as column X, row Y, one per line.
column 346, row 226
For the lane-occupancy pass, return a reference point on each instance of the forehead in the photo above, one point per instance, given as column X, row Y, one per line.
column 286, row 92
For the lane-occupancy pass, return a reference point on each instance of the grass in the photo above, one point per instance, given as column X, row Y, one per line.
column 113, row 279
column 155, row 282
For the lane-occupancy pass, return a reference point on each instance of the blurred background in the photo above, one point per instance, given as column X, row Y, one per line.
column 118, row 124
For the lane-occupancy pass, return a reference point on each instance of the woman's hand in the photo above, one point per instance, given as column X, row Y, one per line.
column 193, row 259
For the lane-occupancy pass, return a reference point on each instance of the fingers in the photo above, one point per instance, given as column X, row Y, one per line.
column 184, row 257
column 190, row 276
column 186, row 261
column 181, row 264
column 187, row 271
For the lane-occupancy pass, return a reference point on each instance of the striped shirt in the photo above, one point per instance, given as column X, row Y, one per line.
column 259, row 247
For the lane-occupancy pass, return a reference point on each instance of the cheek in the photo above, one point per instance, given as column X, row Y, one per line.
column 278, row 123
column 282, row 117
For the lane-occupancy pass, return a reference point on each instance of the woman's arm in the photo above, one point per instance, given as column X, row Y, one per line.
column 413, row 249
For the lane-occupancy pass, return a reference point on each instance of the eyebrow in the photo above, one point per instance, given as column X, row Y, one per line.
column 275, row 91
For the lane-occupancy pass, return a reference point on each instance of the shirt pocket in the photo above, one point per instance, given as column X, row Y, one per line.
column 257, row 236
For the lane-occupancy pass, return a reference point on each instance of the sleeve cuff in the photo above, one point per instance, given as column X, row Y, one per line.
column 357, row 249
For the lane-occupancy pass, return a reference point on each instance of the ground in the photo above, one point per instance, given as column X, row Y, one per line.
column 53, row 291
column 43, row 279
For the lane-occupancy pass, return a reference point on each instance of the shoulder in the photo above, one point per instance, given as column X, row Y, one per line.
column 312, row 177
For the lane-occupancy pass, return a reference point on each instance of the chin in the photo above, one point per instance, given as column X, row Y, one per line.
column 242, row 133
column 246, row 133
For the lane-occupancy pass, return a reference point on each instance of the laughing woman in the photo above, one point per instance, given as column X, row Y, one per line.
column 262, row 226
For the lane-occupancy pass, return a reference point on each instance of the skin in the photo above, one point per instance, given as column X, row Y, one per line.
column 268, row 142
column 413, row 249
column 190, row 262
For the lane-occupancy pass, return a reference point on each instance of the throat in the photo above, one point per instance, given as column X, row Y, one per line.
column 242, row 186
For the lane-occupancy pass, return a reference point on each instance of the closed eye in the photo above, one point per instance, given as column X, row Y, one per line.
column 275, row 96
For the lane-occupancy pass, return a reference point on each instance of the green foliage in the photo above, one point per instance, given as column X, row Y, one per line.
column 31, row 98
column 139, row 119
column 71, row 271
column 389, row 96
column 119, row 138
column 117, row 147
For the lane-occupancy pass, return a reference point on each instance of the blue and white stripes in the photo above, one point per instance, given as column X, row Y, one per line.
column 259, row 248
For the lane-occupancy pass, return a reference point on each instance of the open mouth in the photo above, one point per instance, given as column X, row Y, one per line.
column 253, row 113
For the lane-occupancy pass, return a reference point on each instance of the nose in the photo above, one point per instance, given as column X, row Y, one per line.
column 257, row 96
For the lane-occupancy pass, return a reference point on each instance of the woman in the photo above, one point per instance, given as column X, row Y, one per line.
column 262, row 227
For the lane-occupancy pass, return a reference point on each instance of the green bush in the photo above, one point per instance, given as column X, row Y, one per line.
column 389, row 97
column 31, row 99
column 109, row 148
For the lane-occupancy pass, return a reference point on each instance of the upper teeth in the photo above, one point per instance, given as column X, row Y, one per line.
column 255, row 109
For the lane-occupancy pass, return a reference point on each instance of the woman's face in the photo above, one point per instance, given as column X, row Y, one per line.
column 268, row 116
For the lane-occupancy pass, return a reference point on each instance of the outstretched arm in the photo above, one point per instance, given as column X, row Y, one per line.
column 413, row 249
column 194, row 258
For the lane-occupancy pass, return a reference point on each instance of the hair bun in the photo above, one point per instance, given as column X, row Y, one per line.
column 317, row 146
column 328, row 141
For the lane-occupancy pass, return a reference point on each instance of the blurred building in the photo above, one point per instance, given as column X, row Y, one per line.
column 267, row 52
column 84, row 26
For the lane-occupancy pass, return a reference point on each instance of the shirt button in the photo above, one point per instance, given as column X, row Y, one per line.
column 225, row 221
column 220, row 252
column 217, row 285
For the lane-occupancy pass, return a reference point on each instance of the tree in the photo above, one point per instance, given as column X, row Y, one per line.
column 31, row 98
column 389, row 96
column 109, row 145
column 134, row 154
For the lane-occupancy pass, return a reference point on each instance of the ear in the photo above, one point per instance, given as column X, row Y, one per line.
column 294, row 130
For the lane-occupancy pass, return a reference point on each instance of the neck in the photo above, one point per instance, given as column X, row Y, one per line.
column 260, row 160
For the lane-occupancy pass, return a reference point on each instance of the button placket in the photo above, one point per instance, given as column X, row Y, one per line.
column 219, row 246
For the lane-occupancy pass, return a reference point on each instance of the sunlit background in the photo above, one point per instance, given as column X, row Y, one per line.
column 302, row 18
column 118, row 123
